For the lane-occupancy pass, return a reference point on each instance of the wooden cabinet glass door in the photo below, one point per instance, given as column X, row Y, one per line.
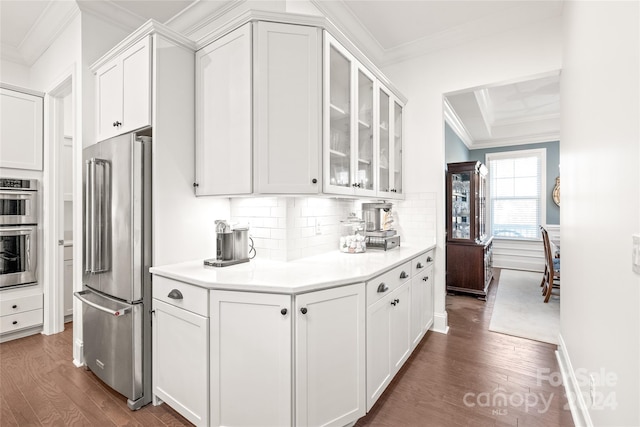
column 364, row 179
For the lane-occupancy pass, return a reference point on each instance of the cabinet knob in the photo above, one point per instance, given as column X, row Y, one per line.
column 314, row 181
column 116, row 124
column 303, row 310
column 403, row 275
column 175, row 294
column 14, row 306
column 397, row 301
column 15, row 322
column 425, row 278
column 429, row 259
column 283, row 311
column 420, row 265
column 394, row 303
column 195, row 184
column 382, row 288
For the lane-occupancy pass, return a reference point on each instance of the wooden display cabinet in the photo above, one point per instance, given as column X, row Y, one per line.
column 469, row 248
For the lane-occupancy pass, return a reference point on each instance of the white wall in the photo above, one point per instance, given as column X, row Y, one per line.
column 600, row 157
column 14, row 73
column 516, row 54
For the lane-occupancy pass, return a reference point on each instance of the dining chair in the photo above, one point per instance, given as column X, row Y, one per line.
column 551, row 276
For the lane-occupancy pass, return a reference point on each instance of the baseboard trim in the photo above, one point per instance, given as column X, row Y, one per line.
column 78, row 353
column 577, row 404
column 441, row 323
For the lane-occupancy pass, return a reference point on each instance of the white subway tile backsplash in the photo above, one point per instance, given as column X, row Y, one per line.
column 285, row 228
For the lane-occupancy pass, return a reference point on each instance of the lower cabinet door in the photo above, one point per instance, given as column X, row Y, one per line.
column 421, row 305
column 330, row 356
column 388, row 340
column 250, row 359
column 181, row 361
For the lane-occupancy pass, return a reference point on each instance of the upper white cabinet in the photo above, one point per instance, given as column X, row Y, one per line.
column 349, row 123
column 362, row 129
column 258, row 111
column 124, row 91
column 21, row 125
column 390, row 131
column 223, row 115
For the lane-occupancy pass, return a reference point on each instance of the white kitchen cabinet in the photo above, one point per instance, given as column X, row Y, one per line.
column 223, row 115
column 181, row 348
column 21, row 127
column 20, row 312
column 287, row 96
column 390, row 141
column 388, row 338
column 330, row 356
column 349, row 161
column 251, row 359
column 124, row 91
column 258, row 114
column 421, row 304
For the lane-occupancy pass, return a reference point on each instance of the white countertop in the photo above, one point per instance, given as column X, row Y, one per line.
column 303, row 275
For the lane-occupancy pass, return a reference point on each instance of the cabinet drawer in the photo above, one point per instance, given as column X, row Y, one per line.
column 421, row 262
column 26, row 319
column 19, row 305
column 387, row 282
column 194, row 298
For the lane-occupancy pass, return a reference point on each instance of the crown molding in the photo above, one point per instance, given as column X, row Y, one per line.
column 110, row 12
column 517, row 140
column 49, row 25
column 456, row 124
column 148, row 28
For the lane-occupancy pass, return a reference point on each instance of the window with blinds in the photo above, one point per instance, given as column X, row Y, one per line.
column 516, row 202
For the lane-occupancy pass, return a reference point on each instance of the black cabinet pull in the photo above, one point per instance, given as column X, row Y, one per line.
column 393, row 302
column 419, row 265
column 382, row 288
column 14, row 306
column 15, row 322
column 403, row 275
column 195, row 184
column 303, row 310
column 429, row 259
column 283, row 311
column 425, row 278
column 314, row 181
column 116, row 124
column 175, row 294
column 397, row 301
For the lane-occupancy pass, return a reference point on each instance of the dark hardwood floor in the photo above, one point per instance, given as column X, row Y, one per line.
column 459, row 379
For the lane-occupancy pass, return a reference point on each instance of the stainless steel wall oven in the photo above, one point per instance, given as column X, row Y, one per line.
column 18, row 232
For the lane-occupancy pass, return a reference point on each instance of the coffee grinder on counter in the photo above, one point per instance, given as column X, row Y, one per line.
column 379, row 227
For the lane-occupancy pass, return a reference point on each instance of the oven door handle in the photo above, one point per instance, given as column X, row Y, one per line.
column 22, row 195
column 15, row 231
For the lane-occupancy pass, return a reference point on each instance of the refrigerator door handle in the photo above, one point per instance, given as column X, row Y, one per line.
column 97, row 214
column 120, row 312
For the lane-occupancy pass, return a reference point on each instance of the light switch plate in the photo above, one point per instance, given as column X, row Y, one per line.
column 635, row 253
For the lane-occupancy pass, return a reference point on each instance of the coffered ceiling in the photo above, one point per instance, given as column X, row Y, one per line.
column 387, row 31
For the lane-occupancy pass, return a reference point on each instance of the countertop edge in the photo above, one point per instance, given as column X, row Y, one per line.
column 190, row 272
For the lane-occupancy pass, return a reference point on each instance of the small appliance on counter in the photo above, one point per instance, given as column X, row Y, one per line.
column 378, row 218
column 233, row 246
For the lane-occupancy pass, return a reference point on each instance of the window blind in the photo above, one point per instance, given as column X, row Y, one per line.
column 516, row 180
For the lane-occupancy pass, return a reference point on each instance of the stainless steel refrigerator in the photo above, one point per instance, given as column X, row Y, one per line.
column 116, row 295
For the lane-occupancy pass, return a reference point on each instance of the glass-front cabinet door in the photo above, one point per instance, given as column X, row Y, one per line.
column 390, row 134
column 364, row 178
column 460, row 205
column 349, row 132
column 338, row 177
